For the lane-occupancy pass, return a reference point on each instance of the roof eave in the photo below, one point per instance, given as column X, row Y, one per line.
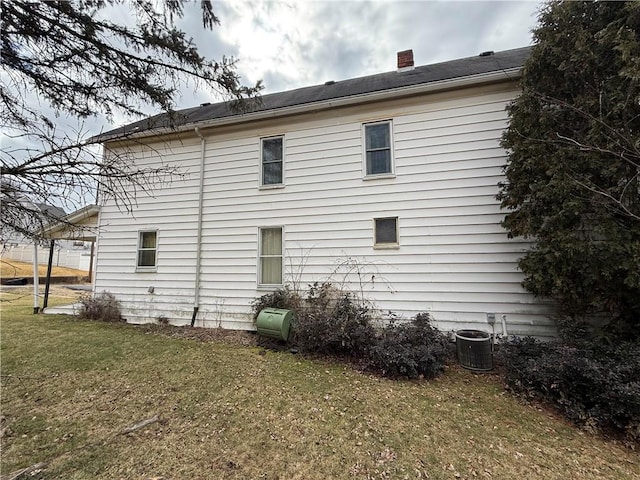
column 510, row 74
column 67, row 228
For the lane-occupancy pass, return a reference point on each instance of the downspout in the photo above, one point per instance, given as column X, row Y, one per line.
column 196, row 299
column 504, row 327
column 96, row 242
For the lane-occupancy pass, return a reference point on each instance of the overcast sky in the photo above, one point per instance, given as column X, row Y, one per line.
column 300, row 43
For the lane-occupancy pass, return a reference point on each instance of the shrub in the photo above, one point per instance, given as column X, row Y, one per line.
column 596, row 386
column 414, row 349
column 333, row 323
column 281, row 298
column 572, row 329
column 103, row 307
column 594, row 328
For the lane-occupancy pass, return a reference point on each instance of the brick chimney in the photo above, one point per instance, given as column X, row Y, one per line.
column 405, row 60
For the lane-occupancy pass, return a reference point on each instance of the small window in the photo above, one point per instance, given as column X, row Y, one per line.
column 272, row 160
column 147, row 250
column 270, row 256
column 386, row 232
column 378, row 152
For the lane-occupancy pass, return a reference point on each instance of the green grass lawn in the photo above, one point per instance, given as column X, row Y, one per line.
column 231, row 411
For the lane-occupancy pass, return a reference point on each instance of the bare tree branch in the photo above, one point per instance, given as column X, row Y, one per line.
column 67, row 59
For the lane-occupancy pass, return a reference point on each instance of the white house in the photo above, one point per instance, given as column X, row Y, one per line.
column 383, row 183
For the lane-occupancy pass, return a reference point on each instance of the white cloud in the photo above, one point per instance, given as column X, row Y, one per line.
column 295, row 44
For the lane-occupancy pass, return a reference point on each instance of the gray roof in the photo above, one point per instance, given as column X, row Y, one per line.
column 422, row 75
column 51, row 212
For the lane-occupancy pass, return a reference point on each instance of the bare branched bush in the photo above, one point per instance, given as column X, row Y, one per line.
column 66, row 62
column 281, row 298
column 103, row 307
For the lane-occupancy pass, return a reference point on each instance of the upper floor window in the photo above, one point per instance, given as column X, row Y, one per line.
column 147, row 250
column 378, row 151
column 272, row 159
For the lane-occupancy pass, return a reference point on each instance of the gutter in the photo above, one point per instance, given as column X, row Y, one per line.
column 447, row 84
column 196, row 299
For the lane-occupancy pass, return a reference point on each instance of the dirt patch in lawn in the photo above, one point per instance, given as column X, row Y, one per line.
column 232, row 337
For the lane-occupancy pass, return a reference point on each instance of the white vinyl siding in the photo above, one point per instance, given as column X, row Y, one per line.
column 455, row 260
column 270, row 253
column 172, row 212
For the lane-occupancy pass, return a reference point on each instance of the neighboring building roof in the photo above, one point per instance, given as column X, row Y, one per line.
column 79, row 225
column 51, row 212
column 356, row 87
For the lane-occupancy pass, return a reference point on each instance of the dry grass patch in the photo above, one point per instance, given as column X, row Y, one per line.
column 15, row 269
column 15, row 301
column 233, row 411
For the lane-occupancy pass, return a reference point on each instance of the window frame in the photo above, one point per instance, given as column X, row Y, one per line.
column 365, row 172
column 266, row 186
column 386, row 245
column 140, row 248
column 260, row 284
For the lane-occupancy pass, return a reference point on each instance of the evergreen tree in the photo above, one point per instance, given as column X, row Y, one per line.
column 573, row 172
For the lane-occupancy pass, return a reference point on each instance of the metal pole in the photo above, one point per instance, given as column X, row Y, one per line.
column 93, row 244
column 48, row 282
column 36, row 280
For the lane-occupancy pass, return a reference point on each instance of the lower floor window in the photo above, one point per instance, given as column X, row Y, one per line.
column 270, row 256
column 386, row 232
column 147, row 249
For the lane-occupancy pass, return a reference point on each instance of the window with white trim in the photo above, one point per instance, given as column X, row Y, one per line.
column 272, row 161
column 385, row 232
column 147, row 250
column 270, row 253
column 378, row 151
